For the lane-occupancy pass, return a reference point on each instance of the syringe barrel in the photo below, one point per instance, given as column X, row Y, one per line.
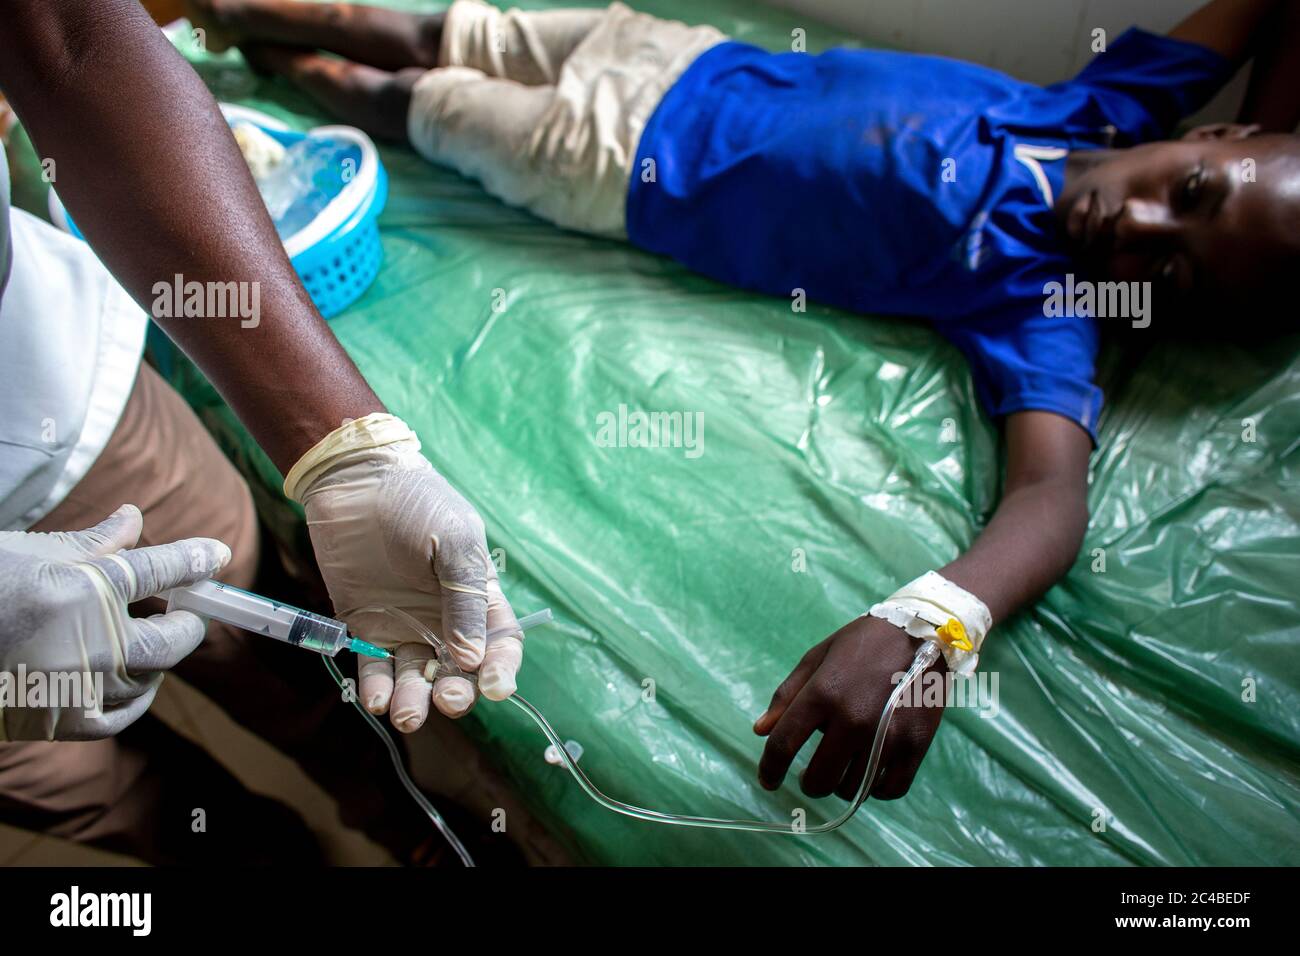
column 252, row 612
column 324, row 635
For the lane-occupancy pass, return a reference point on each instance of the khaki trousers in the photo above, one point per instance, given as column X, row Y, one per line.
column 136, row 793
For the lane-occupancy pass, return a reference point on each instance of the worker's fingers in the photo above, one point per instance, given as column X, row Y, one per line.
column 831, row 759
column 790, row 687
column 161, row 641
column 144, row 572
column 374, row 683
column 409, row 708
column 505, row 646
column 504, row 657
column 463, row 584
column 795, row 725
column 464, row 619
column 117, row 532
column 95, row 720
column 118, row 717
column 114, row 715
column 119, row 688
column 453, row 696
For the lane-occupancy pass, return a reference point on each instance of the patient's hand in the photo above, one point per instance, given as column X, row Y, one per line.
column 840, row 688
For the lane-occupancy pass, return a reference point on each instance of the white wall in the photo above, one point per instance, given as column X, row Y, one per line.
column 1037, row 40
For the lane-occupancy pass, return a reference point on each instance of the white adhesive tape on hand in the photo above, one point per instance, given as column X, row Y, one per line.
column 924, row 606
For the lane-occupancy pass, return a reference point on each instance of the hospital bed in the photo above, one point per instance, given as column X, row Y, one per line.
column 1147, row 710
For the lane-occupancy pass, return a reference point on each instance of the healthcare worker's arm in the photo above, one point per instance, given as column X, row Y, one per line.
column 841, row 685
column 149, row 170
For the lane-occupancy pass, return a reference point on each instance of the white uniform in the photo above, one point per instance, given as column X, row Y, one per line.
column 70, row 346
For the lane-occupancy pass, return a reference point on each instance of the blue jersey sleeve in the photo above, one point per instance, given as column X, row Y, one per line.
column 1039, row 363
column 1145, row 83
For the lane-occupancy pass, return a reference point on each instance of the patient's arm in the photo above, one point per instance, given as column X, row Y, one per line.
column 150, row 172
column 1273, row 97
column 1269, row 31
column 1034, row 536
column 841, row 685
column 1228, row 27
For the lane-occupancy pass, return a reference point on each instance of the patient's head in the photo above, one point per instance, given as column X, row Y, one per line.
column 1212, row 219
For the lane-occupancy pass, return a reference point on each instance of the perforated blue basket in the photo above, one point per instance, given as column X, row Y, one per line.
column 337, row 254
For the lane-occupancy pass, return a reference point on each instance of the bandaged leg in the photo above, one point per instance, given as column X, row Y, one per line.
column 528, row 47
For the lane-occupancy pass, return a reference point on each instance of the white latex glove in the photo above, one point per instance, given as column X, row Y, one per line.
column 63, row 611
column 389, row 530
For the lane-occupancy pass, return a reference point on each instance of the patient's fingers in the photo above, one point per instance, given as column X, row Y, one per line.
column 906, row 743
column 790, row 687
column 410, row 704
column 374, row 683
column 793, row 728
column 827, row 766
column 848, row 788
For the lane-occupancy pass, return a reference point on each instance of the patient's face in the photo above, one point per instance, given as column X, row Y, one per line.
column 1213, row 217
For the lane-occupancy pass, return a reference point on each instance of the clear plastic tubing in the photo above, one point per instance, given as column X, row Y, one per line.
column 324, row 635
column 395, row 756
column 926, row 655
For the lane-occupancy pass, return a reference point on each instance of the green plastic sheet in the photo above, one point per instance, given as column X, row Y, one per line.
column 1148, row 708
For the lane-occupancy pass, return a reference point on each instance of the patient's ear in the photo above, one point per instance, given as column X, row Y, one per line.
column 1222, row 131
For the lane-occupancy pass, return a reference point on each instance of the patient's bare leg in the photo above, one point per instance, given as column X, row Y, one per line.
column 388, row 39
column 371, row 99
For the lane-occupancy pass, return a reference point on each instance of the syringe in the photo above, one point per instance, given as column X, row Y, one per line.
column 284, row 622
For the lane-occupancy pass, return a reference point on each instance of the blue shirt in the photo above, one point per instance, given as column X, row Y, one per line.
column 899, row 183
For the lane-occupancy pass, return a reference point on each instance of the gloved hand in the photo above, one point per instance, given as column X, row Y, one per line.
column 63, row 611
column 388, row 530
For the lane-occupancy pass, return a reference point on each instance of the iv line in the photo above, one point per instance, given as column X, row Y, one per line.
column 421, row 800
column 926, row 655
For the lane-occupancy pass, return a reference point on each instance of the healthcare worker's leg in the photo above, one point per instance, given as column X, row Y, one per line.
column 137, row 793
column 148, row 793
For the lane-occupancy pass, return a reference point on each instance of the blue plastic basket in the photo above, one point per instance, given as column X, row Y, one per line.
column 338, row 254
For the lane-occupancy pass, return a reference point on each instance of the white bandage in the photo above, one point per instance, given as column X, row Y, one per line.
column 925, row 606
